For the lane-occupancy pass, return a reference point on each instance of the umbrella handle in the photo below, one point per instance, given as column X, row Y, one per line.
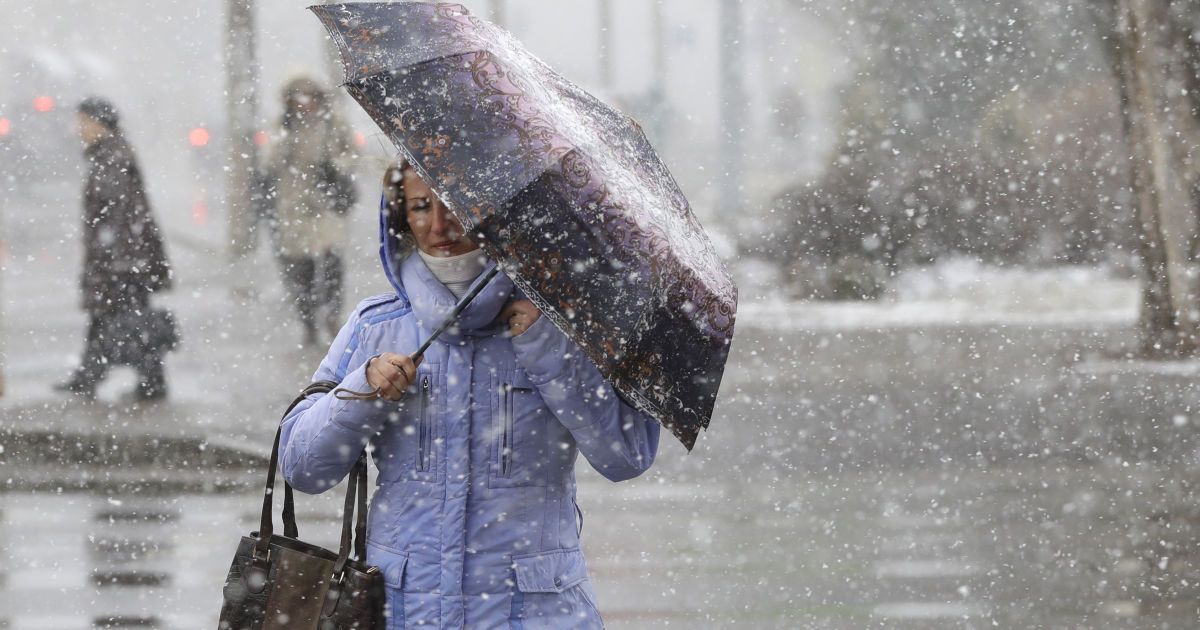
column 345, row 394
column 458, row 309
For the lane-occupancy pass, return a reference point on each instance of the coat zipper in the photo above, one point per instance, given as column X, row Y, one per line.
column 424, row 441
column 506, row 445
column 508, row 419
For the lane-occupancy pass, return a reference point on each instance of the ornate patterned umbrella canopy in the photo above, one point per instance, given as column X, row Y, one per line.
column 564, row 191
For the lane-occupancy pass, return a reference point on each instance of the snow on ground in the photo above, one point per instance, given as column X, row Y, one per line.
column 960, row 292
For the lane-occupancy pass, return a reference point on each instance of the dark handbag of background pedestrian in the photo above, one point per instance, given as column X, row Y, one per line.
column 131, row 335
column 338, row 186
column 282, row 582
column 333, row 182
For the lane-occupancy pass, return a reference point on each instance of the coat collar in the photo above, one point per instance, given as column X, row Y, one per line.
column 432, row 302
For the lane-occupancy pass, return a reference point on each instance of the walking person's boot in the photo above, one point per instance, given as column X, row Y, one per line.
column 78, row 385
column 299, row 280
column 152, row 381
column 330, row 292
column 92, row 367
column 310, row 333
column 333, row 324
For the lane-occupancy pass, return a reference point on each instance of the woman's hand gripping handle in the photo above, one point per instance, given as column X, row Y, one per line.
column 389, row 374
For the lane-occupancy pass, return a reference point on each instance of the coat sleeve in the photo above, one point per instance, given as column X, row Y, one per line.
column 322, row 436
column 619, row 441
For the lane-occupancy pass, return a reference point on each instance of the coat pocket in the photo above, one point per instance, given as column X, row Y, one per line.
column 519, row 453
column 553, row 591
column 393, row 566
column 408, row 450
column 506, row 430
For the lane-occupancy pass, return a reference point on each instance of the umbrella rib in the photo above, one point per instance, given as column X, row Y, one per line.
column 347, row 79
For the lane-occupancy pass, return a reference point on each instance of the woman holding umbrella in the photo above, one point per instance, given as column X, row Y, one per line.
column 474, row 523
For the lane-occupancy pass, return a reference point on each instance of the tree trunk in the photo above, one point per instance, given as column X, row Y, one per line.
column 1150, row 55
column 605, row 56
column 658, row 90
column 732, row 94
column 241, row 111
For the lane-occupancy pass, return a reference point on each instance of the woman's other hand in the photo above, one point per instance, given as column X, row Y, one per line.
column 391, row 374
column 519, row 315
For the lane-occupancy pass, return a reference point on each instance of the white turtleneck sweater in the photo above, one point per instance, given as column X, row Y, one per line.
column 456, row 272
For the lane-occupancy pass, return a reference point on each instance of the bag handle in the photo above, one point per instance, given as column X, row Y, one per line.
column 360, row 524
column 289, row 502
column 356, row 488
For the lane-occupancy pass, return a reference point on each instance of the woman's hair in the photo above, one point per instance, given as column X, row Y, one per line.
column 397, row 213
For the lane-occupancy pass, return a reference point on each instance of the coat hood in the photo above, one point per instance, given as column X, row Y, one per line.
column 390, row 253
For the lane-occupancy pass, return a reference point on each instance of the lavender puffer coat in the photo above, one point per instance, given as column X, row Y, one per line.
column 474, row 521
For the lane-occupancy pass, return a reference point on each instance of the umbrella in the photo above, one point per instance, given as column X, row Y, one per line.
column 563, row 191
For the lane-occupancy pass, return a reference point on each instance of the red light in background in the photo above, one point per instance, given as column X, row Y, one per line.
column 360, row 139
column 260, row 138
column 200, row 211
column 5, row 126
column 198, row 137
column 43, row 104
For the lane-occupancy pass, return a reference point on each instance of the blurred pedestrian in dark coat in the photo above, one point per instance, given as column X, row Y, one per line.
column 124, row 262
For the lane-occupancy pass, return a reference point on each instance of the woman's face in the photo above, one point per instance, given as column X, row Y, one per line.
column 435, row 229
column 90, row 129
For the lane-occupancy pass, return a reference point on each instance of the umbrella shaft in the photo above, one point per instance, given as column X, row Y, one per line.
column 458, row 309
